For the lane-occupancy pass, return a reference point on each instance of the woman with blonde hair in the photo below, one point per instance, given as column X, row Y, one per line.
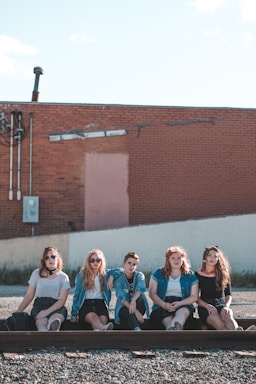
column 215, row 290
column 49, row 285
column 173, row 289
column 93, row 292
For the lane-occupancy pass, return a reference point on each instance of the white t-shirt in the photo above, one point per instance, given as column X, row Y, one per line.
column 174, row 287
column 96, row 292
column 49, row 287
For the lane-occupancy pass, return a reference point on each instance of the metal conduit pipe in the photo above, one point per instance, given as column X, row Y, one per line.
column 19, row 131
column 11, row 157
column 30, row 151
column 30, row 160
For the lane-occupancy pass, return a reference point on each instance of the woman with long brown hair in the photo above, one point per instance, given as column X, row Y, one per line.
column 215, row 290
column 49, row 285
column 93, row 292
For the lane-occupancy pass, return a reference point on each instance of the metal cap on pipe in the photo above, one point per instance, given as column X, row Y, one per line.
column 38, row 71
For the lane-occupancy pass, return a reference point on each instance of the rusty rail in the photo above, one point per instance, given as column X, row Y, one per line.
column 124, row 339
column 85, row 340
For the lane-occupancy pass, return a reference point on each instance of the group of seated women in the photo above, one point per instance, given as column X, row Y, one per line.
column 174, row 289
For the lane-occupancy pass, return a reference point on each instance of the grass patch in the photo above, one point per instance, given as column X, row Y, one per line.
column 20, row 276
column 243, row 280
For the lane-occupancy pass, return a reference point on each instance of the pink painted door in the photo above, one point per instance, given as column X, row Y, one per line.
column 106, row 191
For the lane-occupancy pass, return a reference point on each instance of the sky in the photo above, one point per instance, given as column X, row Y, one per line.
column 195, row 53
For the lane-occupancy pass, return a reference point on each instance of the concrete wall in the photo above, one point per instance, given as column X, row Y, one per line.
column 235, row 235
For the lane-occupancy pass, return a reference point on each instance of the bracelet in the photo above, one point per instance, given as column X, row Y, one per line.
column 133, row 300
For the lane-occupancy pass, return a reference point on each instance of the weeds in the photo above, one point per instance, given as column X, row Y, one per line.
column 17, row 276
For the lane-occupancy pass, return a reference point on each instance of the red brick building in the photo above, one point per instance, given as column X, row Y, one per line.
column 106, row 166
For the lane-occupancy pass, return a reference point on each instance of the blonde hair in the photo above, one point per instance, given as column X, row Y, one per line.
column 88, row 271
column 222, row 268
column 185, row 266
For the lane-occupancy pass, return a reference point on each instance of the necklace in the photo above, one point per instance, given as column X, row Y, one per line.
column 210, row 272
column 51, row 271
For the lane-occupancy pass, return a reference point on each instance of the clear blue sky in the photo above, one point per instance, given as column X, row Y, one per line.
column 139, row 52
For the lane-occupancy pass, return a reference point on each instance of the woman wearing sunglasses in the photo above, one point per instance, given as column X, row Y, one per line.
column 92, row 294
column 49, row 285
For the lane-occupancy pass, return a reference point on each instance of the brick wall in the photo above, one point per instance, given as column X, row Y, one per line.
column 183, row 163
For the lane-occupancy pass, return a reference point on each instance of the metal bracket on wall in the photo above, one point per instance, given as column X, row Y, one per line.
column 84, row 135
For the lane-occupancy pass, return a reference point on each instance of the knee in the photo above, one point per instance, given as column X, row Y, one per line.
column 228, row 314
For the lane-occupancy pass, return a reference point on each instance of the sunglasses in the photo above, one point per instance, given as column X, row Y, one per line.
column 94, row 261
column 53, row 257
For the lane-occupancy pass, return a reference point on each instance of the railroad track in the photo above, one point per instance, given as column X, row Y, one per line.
column 82, row 340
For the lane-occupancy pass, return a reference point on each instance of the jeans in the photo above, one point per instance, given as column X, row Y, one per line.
column 129, row 319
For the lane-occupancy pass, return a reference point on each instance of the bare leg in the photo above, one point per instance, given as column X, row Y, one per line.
column 167, row 321
column 103, row 320
column 95, row 321
column 216, row 322
column 229, row 321
column 41, row 325
column 180, row 317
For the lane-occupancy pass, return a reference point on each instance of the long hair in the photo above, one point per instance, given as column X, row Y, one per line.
column 88, row 271
column 185, row 266
column 222, row 268
column 42, row 266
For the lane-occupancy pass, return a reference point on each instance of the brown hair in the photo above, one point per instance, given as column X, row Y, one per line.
column 133, row 255
column 88, row 271
column 222, row 267
column 42, row 266
column 185, row 266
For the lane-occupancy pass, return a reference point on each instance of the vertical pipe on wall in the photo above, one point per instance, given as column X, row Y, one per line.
column 30, row 160
column 30, row 151
column 11, row 158
column 19, row 131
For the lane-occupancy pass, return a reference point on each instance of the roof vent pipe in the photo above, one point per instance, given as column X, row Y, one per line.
column 38, row 71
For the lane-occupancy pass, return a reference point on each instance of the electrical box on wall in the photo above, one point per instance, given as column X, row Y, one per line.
column 30, row 209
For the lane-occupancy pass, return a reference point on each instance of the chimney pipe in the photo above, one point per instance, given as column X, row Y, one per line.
column 38, row 71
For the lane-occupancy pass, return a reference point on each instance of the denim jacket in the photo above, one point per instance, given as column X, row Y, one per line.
column 80, row 289
column 186, row 282
column 122, row 292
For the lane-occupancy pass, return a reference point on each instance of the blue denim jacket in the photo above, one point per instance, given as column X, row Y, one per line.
column 80, row 289
column 186, row 282
column 122, row 292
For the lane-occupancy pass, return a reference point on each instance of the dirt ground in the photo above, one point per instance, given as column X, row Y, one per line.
column 243, row 303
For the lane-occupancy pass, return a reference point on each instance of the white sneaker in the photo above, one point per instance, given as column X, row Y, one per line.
column 251, row 328
column 108, row 327
column 54, row 325
column 178, row 326
column 137, row 329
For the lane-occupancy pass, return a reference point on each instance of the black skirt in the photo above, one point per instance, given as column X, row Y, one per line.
column 42, row 303
column 97, row 306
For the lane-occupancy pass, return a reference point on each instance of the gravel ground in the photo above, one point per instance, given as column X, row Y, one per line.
column 110, row 366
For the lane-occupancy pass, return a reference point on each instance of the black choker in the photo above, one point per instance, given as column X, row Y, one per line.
column 51, row 271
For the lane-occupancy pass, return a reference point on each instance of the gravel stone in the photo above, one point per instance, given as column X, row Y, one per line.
column 53, row 366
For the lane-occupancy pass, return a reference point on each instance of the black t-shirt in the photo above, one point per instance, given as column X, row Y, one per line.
column 207, row 286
